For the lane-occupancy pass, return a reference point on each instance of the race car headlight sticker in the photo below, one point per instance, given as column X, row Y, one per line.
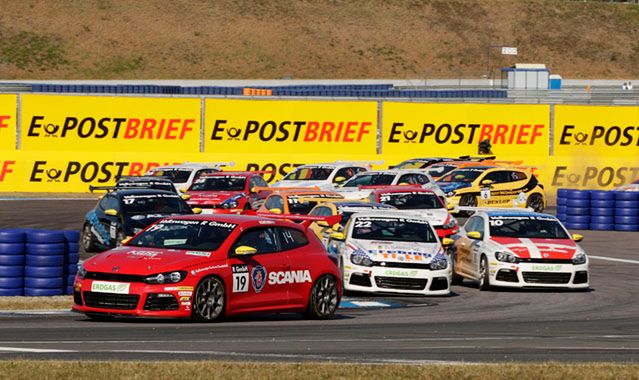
column 359, row 257
column 439, row 262
column 166, row 278
column 450, row 193
column 452, row 223
column 579, row 258
column 232, row 202
column 506, row 257
column 81, row 271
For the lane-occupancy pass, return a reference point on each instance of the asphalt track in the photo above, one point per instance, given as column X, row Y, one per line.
column 471, row 326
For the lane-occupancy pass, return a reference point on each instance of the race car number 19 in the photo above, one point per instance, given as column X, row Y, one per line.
column 240, row 278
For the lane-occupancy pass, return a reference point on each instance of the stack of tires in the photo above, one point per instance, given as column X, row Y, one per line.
column 626, row 210
column 577, row 203
column 44, row 270
column 562, row 196
column 12, row 257
column 602, row 210
column 72, row 256
column 598, row 209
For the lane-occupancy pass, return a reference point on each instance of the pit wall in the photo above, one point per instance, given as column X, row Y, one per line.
column 58, row 143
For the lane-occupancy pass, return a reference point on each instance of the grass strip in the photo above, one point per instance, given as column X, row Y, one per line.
column 35, row 303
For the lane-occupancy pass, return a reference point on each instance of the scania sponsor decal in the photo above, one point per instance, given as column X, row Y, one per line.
column 289, row 277
column 595, row 176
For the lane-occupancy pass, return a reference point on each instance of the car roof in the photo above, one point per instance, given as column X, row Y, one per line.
column 389, row 214
column 243, row 220
column 125, row 192
column 510, row 212
column 361, row 204
column 222, row 173
column 287, row 192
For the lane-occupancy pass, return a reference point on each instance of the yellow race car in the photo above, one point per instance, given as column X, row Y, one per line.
column 493, row 186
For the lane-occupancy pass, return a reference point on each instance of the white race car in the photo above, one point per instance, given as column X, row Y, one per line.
column 518, row 248
column 391, row 252
column 325, row 176
column 183, row 175
column 360, row 185
column 629, row 187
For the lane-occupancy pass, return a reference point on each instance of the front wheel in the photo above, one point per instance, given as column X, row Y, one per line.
column 484, row 279
column 119, row 238
column 535, row 202
column 324, row 298
column 467, row 201
column 209, row 300
column 88, row 240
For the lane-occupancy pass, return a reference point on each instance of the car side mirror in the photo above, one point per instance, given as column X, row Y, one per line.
column 340, row 179
column 126, row 240
column 338, row 236
column 245, row 250
column 186, row 197
column 577, row 237
column 450, row 206
column 111, row 212
column 184, row 189
column 475, row 235
column 197, row 210
column 486, row 182
column 323, row 223
column 252, row 190
column 336, row 227
column 404, row 184
column 447, row 242
column 276, row 211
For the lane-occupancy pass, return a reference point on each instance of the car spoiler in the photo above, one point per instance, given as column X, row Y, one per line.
column 477, row 158
column 214, row 164
column 101, row 188
column 305, row 220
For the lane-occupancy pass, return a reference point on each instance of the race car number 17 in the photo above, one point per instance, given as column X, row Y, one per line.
column 240, row 278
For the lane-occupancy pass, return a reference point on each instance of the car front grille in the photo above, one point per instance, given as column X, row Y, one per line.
column 159, row 302
column 547, row 261
column 114, row 277
column 546, row 278
column 111, row 300
column 360, row 279
column 507, row 275
column 401, row 283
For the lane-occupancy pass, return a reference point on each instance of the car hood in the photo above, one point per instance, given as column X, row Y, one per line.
column 394, row 251
column 146, row 261
column 210, row 197
column 447, row 187
column 290, row 183
column 538, row 248
column 436, row 217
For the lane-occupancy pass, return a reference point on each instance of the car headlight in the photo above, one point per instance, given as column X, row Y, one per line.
column 359, row 257
column 166, row 278
column 579, row 258
column 81, row 271
column 506, row 257
column 450, row 193
column 439, row 262
column 232, row 202
column 452, row 223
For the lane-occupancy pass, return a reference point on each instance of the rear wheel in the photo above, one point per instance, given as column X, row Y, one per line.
column 209, row 300
column 536, row 202
column 324, row 298
column 88, row 240
column 484, row 279
column 467, row 201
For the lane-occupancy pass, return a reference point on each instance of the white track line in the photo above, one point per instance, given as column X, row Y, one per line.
column 35, row 350
column 614, row 259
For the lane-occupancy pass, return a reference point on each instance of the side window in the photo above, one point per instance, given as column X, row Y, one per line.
column 360, row 170
column 103, row 202
column 422, row 179
column 111, row 202
column 516, row 176
column 291, row 238
column 500, row 176
column 406, row 178
column 199, row 173
column 471, row 224
column 321, row 211
column 262, row 239
column 274, row 201
column 257, row 181
column 346, row 173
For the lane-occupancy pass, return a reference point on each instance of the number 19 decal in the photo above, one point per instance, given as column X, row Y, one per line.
column 240, row 278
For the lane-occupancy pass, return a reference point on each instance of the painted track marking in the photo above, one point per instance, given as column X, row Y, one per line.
column 614, row 259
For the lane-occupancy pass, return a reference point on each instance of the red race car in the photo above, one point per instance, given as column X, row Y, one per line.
column 206, row 266
column 228, row 192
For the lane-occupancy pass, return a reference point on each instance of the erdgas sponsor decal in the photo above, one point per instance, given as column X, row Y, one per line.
column 110, row 287
column 289, row 277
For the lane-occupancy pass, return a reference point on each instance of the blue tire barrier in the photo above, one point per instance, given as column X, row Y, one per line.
column 12, row 249
column 602, row 226
column 627, row 211
column 602, row 219
column 43, row 272
column 71, row 236
column 627, row 204
column 11, row 271
column 578, row 219
column 11, row 282
column 73, row 258
column 46, row 237
column 602, row 195
column 578, row 211
column 562, row 209
column 577, row 202
column 43, row 283
column 562, row 193
column 46, row 249
column 72, row 269
column 561, row 217
column 12, row 236
column 626, row 195
column 602, row 211
column 69, row 290
column 561, row 201
column 577, row 226
column 621, row 219
column 15, row 292
column 73, row 247
column 45, row 261
column 37, row 292
column 602, row 203
column 578, row 194
column 626, row 227
column 12, row 260
column 70, row 279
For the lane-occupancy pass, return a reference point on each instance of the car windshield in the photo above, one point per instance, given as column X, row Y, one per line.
column 370, row 180
column 437, row 171
column 303, row 208
column 461, row 175
column 202, row 235
column 154, row 204
column 310, row 173
column 411, row 165
column 346, row 215
column 393, row 229
column 530, row 227
column 174, row 175
column 219, row 183
column 411, row 200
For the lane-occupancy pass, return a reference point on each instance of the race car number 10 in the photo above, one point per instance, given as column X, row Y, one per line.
column 240, row 278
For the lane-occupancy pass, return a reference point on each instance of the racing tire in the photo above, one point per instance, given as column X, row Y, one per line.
column 602, row 226
column 596, row 203
column 13, row 249
column 561, row 201
column 72, row 269
column 627, row 204
column 69, row 290
column 43, row 272
column 43, row 282
column 578, row 202
column 602, row 195
column 11, row 292
column 626, row 196
column 484, row 275
column 71, row 236
column 12, row 236
column 536, row 202
column 467, row 200
column 44, row 261
column 577, row 194
column 12, row 260
column 70, row 280
column 578, row 219
column 602, row 211
column 621, row 219
column 72, row 258
column 45, row 237
column 11, row 282
column 577, row 226
column 620, row 211
column 73, row 248
column 562, row 193
column 323, row 299
column 100, row 317
column 578, row 211
column 602, row 219
column 626, row 227
column 11, row 271
column 46, row 249
column 562, row 209
column 39, row 292
column 88, row 240
column 561, row 217
column 209, row 300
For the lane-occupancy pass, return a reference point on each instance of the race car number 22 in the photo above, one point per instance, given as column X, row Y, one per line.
column 240, row 278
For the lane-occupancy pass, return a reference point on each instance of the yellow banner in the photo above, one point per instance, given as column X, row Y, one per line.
column 457, row 129
column 582, row 131
column 120, row 124
column 296, row 127
column 8, row 104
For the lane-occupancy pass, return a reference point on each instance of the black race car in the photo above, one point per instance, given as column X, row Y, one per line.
column 139, row 182
column 123, row 213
